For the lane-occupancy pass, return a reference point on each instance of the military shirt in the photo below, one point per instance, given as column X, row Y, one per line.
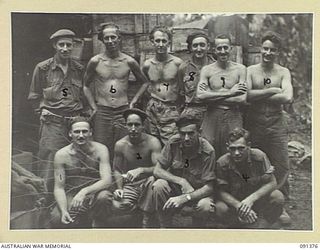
column 197, row 170
column 241, row 183
column 56, row 91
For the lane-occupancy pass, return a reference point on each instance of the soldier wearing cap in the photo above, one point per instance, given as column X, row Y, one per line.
column 55, row 95
column 135, row 158
column 199, row 46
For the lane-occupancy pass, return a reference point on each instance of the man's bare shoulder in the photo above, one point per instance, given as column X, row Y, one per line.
column 147, row 63
column 210, row 66
column 235, row 65
column 122, row 143
column 127, row 57
column 152, row 141
column 254, row 68
column 63, row 152
column 178, row 61
column 99, row 147
column 95, row 59
column 281, row 69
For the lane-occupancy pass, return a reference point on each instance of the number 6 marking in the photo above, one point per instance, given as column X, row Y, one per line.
column 112, row 90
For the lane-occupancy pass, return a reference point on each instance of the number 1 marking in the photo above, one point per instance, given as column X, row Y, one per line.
column 223, row 81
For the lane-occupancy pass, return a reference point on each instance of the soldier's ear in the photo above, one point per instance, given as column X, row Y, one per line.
column 70, row 135
column 227, row 145
column 249, row 144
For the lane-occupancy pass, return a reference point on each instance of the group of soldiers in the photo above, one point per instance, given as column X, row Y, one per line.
column 186, row 150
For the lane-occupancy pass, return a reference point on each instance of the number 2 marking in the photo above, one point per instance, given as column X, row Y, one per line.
column 139, row 156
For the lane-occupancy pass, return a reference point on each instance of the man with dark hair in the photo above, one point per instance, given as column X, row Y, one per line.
column 165, row 85
column 270, row 87
column 222, row 86
column 135, row 158
column 199, row 46
column 82, row 175
column 247, row 184
column 109, row 73
column 185, row 172
column 55, row 93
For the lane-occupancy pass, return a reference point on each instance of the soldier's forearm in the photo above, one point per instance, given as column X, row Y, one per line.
column 88, row 94
column 202, row 192
column 61, row 198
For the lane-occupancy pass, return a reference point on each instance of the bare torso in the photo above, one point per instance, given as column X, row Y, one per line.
column 262, row 80
column 81, row 164
column 164, row 78
column 222, row 79
column 135, row 156
column 111, row 80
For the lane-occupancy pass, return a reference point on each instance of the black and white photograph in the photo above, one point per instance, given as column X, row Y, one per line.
column 161, row 121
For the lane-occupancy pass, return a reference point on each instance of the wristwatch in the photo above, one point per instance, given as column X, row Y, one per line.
column 188, row 196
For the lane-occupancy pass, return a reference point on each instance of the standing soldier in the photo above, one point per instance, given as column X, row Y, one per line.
column 165, row 75
column 222, row 86
column 271, row 87
column 55, row 94
column 198, row 45
column 109, row 73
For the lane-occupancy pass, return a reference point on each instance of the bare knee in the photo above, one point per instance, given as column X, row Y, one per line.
column 205, row 206
column 277, row 197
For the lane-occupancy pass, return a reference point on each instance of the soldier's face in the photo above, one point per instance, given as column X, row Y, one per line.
column 238, row 150
column 189, row 135
column 269, row 51
column 161, row 42
column 134, row 126
column 111, row 39
column 199, row 47
column 80, row 133
column 63, row 47
column 222, row 49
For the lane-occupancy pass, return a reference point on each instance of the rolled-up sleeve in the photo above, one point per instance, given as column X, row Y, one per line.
column 35, row 91
column 208, row 173
column 222, row 179
column 166, row 156
column 267, row 167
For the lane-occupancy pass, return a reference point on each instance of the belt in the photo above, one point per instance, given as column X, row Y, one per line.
column 57, row 117
column 225, row 107
column 174, row 103
column 195, row 104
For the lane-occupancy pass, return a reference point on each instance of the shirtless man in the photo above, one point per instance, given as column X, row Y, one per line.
column 109, row 73
column 198, row 45
column 135, row 158
column 270, row 88
column 222, row 86
column 165, row 78
column 81, row 176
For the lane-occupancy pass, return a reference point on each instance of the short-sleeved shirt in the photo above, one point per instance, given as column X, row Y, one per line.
column 191, row 79
column 197, row 170
column 241, row 183
column 55, row 90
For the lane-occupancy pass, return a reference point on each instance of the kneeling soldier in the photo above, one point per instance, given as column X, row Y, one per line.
column 186, row 175
column 247, row 186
